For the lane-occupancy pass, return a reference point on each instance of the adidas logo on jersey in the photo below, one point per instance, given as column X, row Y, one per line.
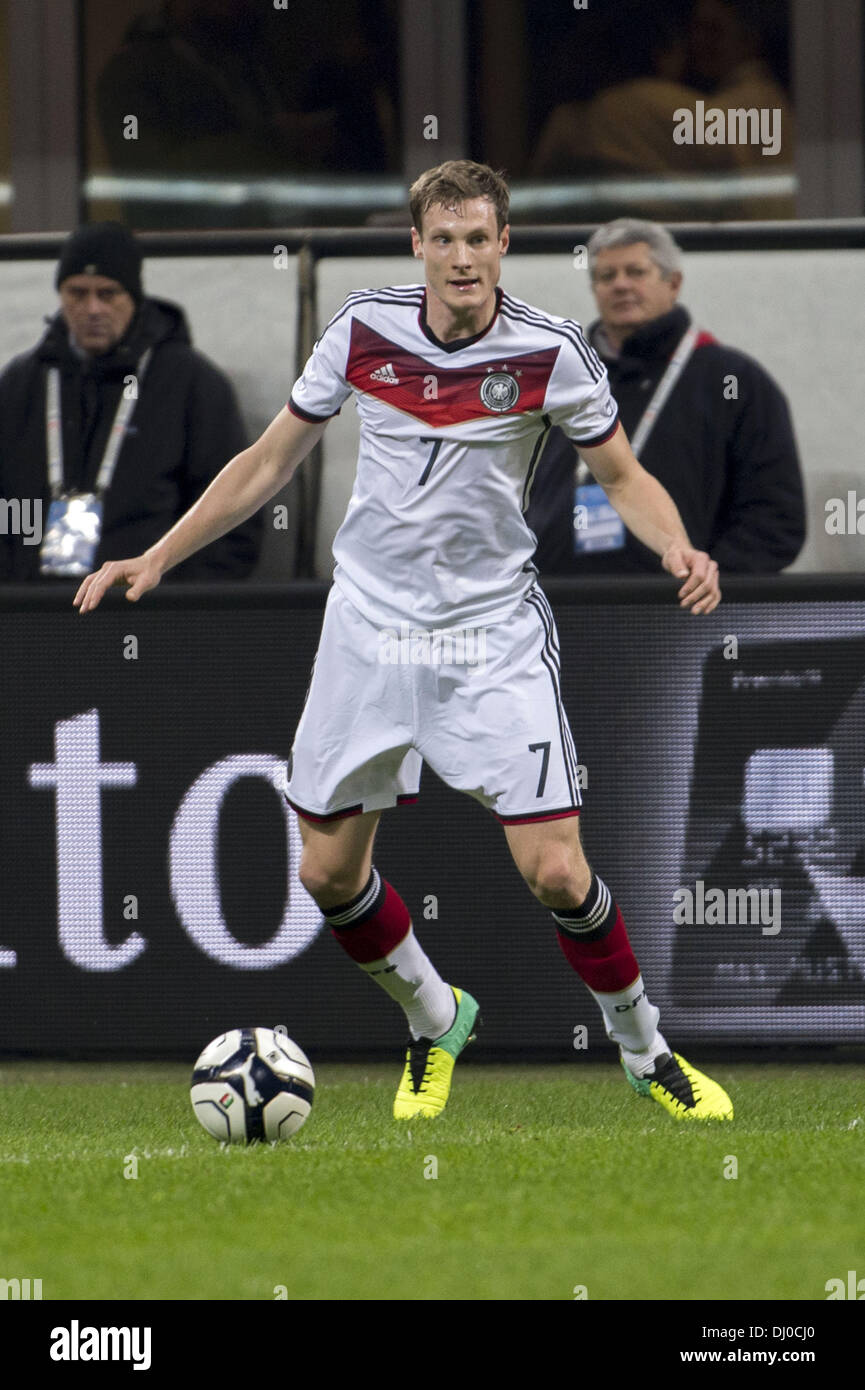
column 385, row 374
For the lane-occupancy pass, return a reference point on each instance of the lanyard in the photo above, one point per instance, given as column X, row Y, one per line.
column 662, row 391
column 664, row 387
column 54, row 435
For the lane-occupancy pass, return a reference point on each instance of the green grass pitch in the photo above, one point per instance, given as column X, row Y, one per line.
column 547, row 1180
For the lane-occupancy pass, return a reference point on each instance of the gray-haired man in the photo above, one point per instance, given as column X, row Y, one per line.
column 705, row 419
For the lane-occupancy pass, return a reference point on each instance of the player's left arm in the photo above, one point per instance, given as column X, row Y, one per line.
column 649, row 512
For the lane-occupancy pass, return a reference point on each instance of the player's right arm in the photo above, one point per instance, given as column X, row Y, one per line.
column 245, row 483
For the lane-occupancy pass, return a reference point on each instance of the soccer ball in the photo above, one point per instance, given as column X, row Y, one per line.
column 252, row 1083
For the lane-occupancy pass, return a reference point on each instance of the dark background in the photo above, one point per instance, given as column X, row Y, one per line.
column 223, row 673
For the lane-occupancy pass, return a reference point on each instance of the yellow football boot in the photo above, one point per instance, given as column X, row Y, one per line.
column 429, row 1064
column 682, row 1090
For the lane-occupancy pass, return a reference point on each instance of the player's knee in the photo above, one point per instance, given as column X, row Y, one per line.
column 557, row 878
column 328, row 884
column 547, row 875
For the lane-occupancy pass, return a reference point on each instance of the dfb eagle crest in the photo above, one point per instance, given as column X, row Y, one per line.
column 499, row 391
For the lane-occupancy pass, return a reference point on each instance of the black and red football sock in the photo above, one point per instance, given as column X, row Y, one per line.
column 375, row 929
column 595, row 942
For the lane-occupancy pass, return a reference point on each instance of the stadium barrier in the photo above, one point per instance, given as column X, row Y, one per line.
column 780, row 291
column 149, row 890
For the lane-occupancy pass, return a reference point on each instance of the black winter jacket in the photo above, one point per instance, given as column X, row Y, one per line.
column 185, row 427
column 724, row 451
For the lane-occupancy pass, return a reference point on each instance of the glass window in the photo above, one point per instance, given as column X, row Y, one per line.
column 675, row 111
column 234, row 113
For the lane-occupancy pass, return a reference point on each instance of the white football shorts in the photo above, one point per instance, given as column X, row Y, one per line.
column 482, row 706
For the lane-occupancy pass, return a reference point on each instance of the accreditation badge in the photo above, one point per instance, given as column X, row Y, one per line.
column 597, row 524
column 71, row 536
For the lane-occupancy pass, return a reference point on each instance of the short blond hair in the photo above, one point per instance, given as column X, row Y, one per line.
column 453, row 183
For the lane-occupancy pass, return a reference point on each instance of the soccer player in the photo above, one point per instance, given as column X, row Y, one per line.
column 457, row 385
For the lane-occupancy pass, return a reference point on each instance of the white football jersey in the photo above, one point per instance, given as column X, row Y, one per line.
column 450, row 436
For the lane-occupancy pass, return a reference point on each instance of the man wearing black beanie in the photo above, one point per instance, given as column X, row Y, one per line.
column 114, row 424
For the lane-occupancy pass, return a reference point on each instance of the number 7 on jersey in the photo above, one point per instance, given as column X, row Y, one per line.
column 433, row 455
